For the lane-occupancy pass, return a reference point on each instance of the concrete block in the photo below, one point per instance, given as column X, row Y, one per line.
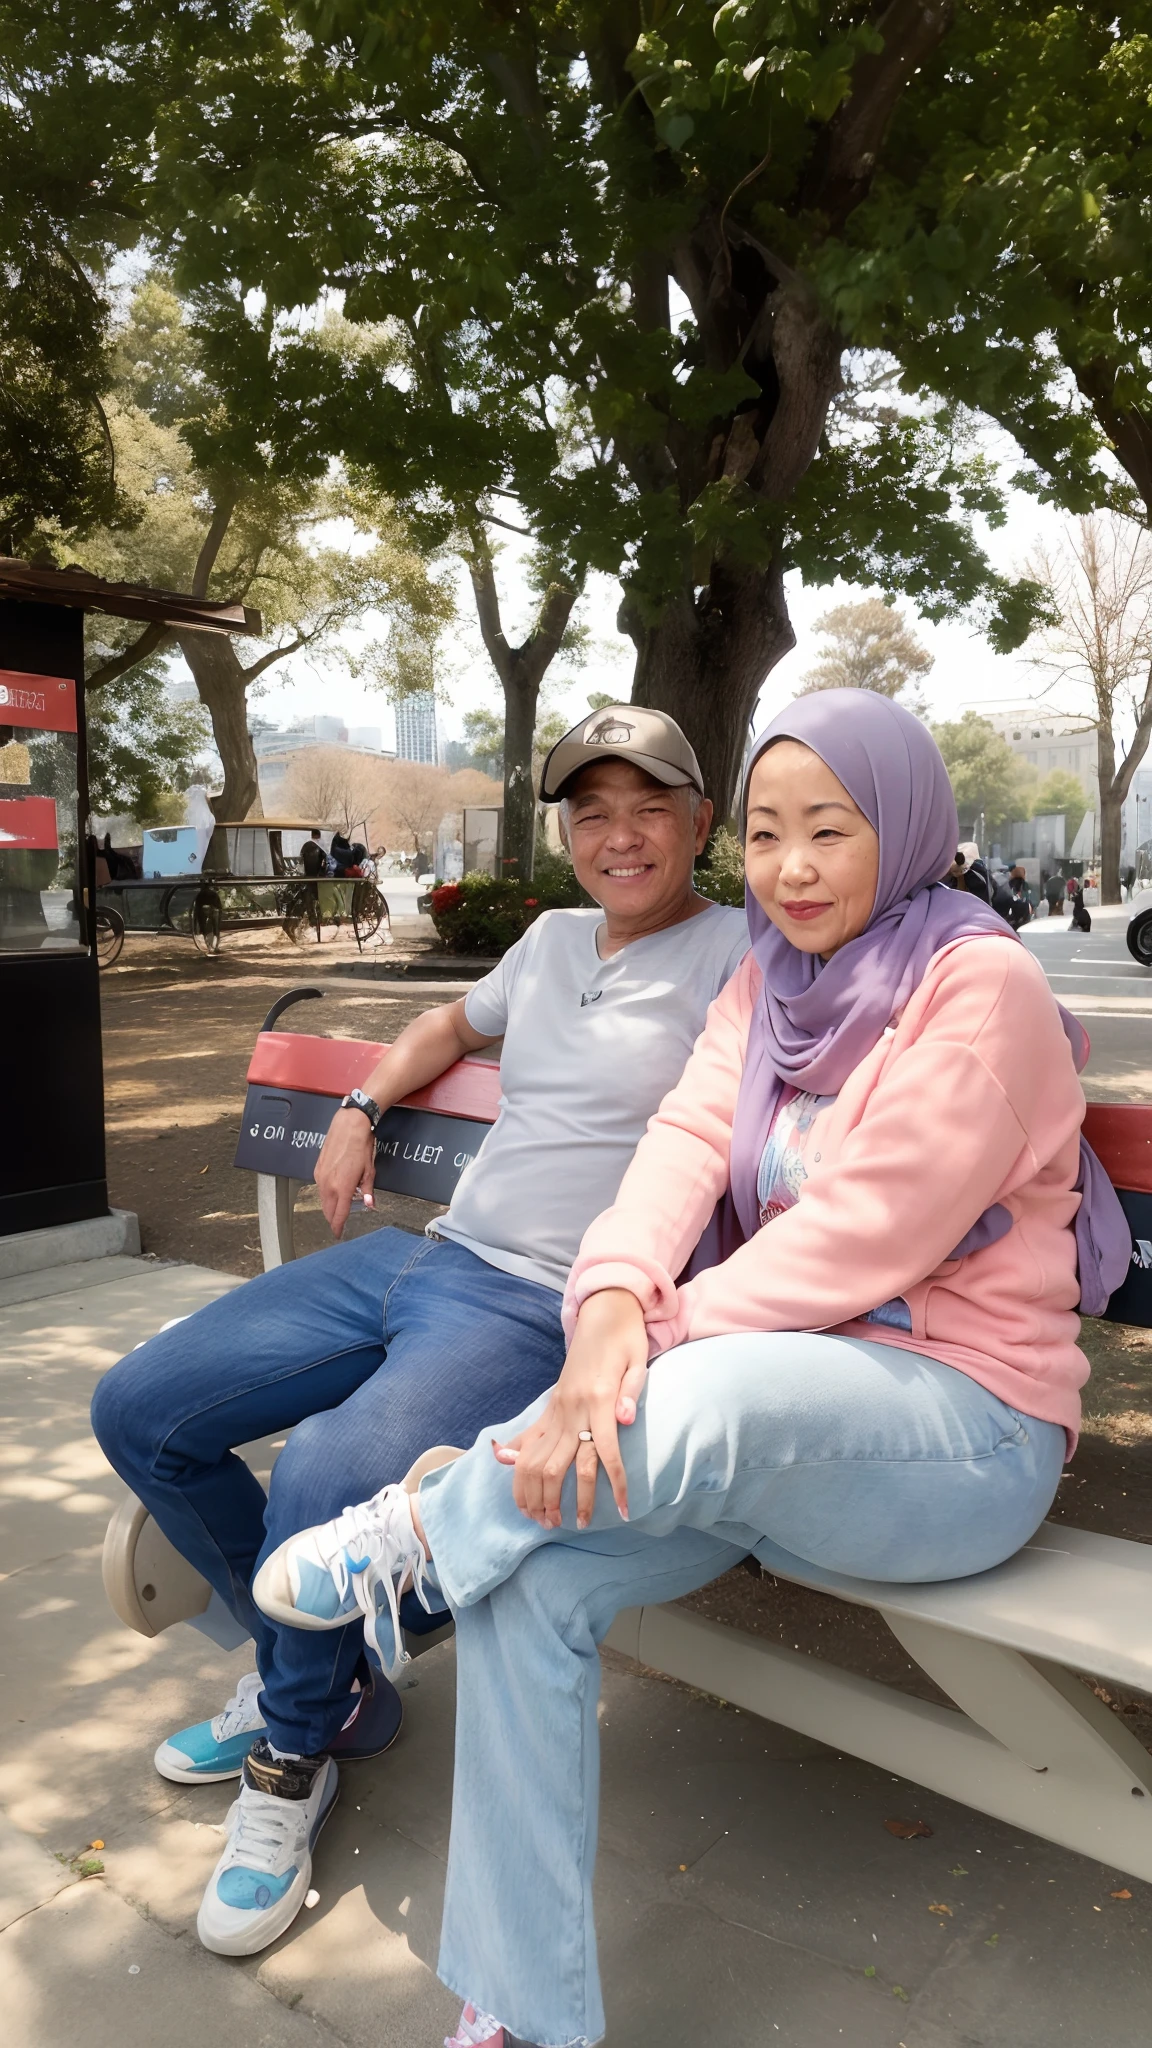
column 97, row 1237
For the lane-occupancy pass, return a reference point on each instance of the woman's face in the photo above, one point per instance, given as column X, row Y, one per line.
column 811, row 857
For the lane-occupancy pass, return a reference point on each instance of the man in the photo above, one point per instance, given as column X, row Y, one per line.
column 313, row 858
column 376, row 1350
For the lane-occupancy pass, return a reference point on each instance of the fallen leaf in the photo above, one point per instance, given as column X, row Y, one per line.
column 898, row 1991
column 991, row 1941
column 907, row 1830
column 97, row 1844
column 204, row 1169
column 941, row 1908
column 683, row 1866
column 1120, row 1895
column 958, row 1870
column 871, row 1970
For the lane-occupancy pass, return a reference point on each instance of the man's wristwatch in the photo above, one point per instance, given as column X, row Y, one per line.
column 356, row 1099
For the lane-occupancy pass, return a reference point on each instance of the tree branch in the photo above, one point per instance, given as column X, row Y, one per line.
column 490, row 519
column 213, row 542
column 276, row 654
column 843, row 168
column 488, row 605
column 150, row 641
column 1122, row 779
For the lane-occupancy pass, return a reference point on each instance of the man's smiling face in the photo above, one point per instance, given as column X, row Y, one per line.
column 633, row 840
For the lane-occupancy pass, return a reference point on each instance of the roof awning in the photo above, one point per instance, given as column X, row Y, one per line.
column 82, row 591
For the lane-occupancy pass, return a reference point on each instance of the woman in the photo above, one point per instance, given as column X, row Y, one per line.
column 879, row 1375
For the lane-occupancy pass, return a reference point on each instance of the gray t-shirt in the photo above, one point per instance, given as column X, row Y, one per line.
column 591, row 1047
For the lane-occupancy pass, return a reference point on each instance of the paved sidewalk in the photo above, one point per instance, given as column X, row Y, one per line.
column 749, row 1891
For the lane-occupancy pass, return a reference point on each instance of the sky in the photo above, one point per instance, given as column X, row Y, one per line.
column 966, row 672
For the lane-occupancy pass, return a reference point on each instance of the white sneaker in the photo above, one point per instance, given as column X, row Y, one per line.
column 323, row 1576
column 260, row 1882
column 212, row 1750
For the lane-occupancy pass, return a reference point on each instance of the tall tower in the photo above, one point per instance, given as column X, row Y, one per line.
column 417, row 738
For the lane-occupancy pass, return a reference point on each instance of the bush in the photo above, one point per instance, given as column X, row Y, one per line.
column 722, row 875
column 486, row 915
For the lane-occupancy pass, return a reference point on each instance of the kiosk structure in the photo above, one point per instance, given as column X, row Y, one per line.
column 52, row 1166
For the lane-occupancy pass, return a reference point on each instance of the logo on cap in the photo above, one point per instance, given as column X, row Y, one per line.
column 610, row 732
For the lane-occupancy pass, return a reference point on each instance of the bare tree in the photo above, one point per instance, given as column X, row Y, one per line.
column 868, row 646
column 1099, row 581
column 335, row 786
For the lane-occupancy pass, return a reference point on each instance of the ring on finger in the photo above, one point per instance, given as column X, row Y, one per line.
column 585, row 1436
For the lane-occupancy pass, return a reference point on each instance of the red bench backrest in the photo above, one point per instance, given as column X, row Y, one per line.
column 304, row 1067
column 331, row 1066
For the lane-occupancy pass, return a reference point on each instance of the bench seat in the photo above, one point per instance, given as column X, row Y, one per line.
column 1026, row 1739
column 1070, row 1596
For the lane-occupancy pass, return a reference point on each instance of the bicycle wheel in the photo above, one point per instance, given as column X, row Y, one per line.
column 369, row 911
column 300, row 915
column 109, row 936
column 206, row 923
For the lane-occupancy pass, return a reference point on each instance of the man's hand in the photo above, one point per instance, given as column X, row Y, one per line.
column 346, row 1166
column 606, row 1367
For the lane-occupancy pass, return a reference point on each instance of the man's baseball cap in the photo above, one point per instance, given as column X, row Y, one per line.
column 628, row 732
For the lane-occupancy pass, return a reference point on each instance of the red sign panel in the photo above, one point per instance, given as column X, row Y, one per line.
column 28, row 824
column 46, row 702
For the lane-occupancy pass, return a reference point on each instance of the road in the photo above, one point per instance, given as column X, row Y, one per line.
column 1095, row 976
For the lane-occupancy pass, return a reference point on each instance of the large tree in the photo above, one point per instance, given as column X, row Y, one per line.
column 234, row 531
column 1099, row 579
column 993, row 787
column 1022, row 167
column 593, row 253
column 868, row 646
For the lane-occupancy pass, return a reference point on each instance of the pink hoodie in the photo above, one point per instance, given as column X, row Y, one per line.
column 969, row 1098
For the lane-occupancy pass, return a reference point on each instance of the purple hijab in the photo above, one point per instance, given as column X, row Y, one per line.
column 815, row 1021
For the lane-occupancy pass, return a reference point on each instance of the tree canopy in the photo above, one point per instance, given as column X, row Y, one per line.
column 991, row 784
column 595, row 268
column 600, row 269
column 314, row 556
column 868, row 646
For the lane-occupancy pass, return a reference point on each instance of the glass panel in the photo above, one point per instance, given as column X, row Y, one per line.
column 38, row 814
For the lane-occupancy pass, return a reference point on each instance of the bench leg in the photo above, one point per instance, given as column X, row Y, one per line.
column 1033, row 1747
column 275, row 1202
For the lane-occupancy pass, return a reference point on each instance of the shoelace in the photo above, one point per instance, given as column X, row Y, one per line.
column 235, row 1718
column 265, row 1831
column 380, row 1532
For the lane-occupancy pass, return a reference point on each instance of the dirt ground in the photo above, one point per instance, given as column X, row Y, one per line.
column 178, row 1032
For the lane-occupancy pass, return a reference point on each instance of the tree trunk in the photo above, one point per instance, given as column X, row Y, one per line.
column 704, row 662
column 521, row 671
column 1110, row 809
column 521, row 696
column 222, row 686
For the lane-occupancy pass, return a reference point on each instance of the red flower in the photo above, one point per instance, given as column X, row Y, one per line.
column 446, row 897
column 531, row 902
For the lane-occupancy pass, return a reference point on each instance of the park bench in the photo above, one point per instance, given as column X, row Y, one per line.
column 1027, row 1740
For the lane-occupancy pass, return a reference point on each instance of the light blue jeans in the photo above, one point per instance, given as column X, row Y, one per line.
column 857, row 1456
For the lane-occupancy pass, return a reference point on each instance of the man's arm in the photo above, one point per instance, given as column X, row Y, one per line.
column 425, row 1048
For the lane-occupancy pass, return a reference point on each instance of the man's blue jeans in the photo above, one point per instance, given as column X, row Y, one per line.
column 369, row 1352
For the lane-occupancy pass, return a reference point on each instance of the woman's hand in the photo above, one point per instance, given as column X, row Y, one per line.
column 599, row 1387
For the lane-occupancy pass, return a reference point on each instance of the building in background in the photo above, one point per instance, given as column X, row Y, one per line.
column 276, row 750
column 417, row 728
column 1048, row 740
column 1136, row 818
